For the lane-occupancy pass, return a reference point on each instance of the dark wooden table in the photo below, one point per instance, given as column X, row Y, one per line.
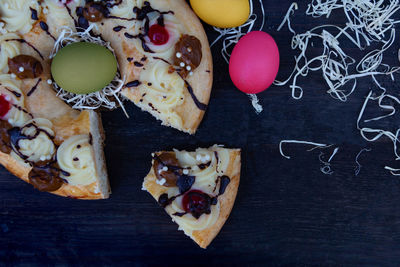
column 287, row 212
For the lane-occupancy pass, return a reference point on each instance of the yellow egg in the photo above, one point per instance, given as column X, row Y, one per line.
column 222, row 13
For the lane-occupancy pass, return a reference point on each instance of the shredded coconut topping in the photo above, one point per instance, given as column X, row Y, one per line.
column 110, row 96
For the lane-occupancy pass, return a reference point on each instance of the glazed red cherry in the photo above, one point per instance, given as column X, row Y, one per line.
column 196, row 202
column 5, row 106
column 158, row 34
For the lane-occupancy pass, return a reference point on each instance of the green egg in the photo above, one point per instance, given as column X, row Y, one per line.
column 83, row 68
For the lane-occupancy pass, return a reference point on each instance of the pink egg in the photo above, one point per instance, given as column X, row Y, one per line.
column 254, row 62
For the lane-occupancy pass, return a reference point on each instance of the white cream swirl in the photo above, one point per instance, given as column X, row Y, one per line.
column 10, row 88
column 215, row 161
column 125, row 8
column 76, row 157
column 57, row 14
column 8, row 49
column 174, row 28
column 187, row 222
column 17, row 14
column 41, row 147
column 163, row 90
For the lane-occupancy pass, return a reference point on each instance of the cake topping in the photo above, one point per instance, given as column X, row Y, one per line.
column 77, row 172
column 196, row 203
column 5, row 105
column 45, row 178
column 34, row 141
column 223, row 184
column 166, row 167
column 185, row 183
column 188, row 54
column 5, row 146
column 158, row 34
column 94, row 12
column 25, row 67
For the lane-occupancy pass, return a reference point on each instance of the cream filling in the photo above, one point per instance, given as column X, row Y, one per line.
column 187, row 222
column 40, row 148
column 17, row 116
column 17, row 14
column 163, row 90
column 8, row 50
column 125, row 9
column 57, row 14
column 205, row 181
column 174, row 29
column 76, row 157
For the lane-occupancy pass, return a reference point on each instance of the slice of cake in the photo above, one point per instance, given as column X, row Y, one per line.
column 197, row 189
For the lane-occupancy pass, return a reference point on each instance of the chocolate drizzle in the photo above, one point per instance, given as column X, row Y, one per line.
column 120, row 18
column 14, row 93
column 23, row 110
column 134, row 83
column 196, row 101
column 142, row 40
column 118, row 28
column 223, row 184
column 194, row 201
column 164, row 60
column 142, row 15
column 199, row 105
column 16, row 136
column 34, row 14
column 29, row 44
column 34, row 87
column 45, row 28
column 109, row 5
column 129, row 36
column 204, row 165
column 164, row 201
column 44, row 175
column 185, row 183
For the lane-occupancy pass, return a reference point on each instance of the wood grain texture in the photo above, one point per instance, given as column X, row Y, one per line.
column 287, row 212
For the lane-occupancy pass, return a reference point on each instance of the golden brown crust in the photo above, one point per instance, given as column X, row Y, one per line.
column 22, row 172
column 44, row 103
column 201, row 81
column 204, row 237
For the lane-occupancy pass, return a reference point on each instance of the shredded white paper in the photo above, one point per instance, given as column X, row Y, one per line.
column 103, row 98
column 374, row 134
column 395, row 172
column 315, row 145
column 367, row 22
column 326, row 168
column 358, row 167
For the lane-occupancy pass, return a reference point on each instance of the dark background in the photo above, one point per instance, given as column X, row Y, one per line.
column 286, row 213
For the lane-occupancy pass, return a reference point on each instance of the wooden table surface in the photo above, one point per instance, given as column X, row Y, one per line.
column 286, row 212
